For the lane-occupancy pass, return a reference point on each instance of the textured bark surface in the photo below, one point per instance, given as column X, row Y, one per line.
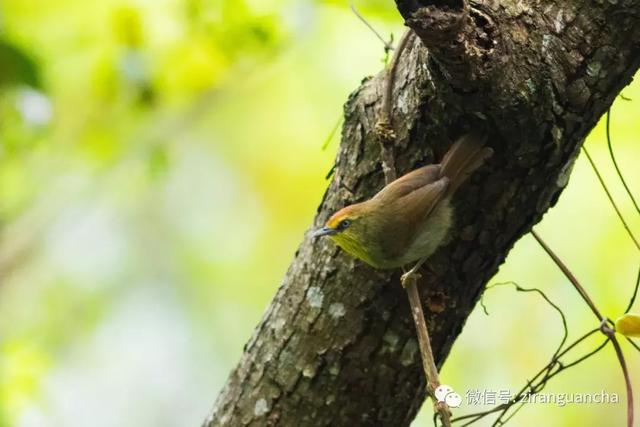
column 337, row 344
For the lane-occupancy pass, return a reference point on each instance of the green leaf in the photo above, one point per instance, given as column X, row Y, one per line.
column 17, row 67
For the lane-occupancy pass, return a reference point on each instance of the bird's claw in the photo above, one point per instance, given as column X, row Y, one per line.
column 410, row 275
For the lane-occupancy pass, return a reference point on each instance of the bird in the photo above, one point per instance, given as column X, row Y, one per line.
column 411, row 217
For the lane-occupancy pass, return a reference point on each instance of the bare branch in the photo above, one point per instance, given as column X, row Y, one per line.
column 565, row 270
column 610, row 197
column 604, row 323
column 615, row 163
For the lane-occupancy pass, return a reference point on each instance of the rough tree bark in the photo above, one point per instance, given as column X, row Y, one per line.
column 337, row 344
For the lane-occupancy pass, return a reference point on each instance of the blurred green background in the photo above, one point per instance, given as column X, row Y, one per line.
column 159, row 164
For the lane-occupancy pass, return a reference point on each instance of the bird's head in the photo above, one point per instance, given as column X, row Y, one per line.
column 349, row 228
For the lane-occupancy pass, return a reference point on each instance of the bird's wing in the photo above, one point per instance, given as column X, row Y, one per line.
column 409, row 183
column 405, row 215
column 420, row 203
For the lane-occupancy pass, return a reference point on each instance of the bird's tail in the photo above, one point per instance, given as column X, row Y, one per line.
column 466, row 155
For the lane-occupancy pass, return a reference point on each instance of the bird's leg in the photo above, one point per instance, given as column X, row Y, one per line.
column 409, row 281
column 413, row 272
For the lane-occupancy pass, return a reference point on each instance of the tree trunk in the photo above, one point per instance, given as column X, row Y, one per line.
column 337, row 344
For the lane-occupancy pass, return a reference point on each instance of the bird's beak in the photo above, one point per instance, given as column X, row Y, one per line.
column 324, row 231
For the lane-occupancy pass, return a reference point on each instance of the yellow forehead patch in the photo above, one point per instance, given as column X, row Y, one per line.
column 337, row 217
column 334, row 221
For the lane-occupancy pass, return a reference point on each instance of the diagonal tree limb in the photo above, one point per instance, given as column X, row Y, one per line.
column 336, row 346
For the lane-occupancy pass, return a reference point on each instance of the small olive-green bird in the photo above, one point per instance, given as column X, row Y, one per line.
column 410, row 217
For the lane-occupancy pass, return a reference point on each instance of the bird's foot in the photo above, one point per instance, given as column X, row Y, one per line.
column 409, row 276
column 412, row 275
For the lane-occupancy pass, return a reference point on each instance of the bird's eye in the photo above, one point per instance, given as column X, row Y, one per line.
column 344, row 224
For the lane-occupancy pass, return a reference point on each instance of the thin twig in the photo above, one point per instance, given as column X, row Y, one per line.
column 554, row 367
column 387, row 44
column 615, row 163
column 538, row 382
column 633, row 343
column 410, row 283
column 635, row 293
column 384, row 128
column 604, row 322
column 519, row 288
column 568, row 275
column 586, row 356
column 613, row 203
column 510, row 416
column 391, row 75
column 625, row 371
column 421, row 326
column 543, row 376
